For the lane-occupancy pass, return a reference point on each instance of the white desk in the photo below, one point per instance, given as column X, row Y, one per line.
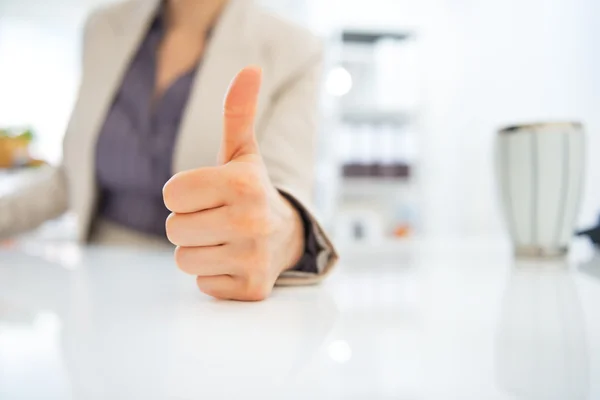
column 428, row 320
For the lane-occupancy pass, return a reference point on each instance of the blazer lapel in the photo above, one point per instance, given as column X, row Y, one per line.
column 120, row 36
column 231, row 47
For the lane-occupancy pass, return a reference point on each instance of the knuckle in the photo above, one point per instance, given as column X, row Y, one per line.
column 244, row 185
column 235, row 110
column 169, row 192
column 171, row 228
column 247, row 183
column 206, row 289
column 257, row 290
column 182, row 258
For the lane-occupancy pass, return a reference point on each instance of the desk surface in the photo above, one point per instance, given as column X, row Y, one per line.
column 426, row 320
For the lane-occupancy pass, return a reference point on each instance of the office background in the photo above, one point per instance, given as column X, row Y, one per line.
column 476, row 66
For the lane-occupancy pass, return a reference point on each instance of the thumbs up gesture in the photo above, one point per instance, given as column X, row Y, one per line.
column 232, row 228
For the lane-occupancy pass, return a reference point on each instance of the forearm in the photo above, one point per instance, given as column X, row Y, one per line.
column 43, row 199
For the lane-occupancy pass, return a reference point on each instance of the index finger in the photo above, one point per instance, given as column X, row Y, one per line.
column 195, row 190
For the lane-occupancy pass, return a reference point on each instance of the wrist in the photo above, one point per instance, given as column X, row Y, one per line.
column 292, row 247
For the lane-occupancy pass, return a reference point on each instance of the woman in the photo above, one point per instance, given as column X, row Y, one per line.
column 150, row 106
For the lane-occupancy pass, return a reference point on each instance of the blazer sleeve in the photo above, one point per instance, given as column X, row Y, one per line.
column 287, row 138
column 32, row 204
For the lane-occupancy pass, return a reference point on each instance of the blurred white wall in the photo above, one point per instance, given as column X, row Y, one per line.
column 487, row 63
column 497, row 62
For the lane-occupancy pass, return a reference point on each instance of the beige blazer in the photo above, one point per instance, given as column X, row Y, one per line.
column 245, row 34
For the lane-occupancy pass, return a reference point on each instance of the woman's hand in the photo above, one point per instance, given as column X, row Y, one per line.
column 233, row 229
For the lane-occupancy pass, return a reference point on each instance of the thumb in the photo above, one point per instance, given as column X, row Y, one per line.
column 239, row 112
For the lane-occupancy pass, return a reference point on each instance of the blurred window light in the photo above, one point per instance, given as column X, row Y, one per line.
column 340, row 351
column 339, row 82
column 47, row 323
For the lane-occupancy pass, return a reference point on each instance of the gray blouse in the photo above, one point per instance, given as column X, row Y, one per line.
column 135, row 147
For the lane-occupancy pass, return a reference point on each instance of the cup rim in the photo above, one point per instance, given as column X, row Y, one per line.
column 539, row 125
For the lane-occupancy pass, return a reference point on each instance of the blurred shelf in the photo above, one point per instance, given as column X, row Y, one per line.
column 377, row 171
column 371, row 37
column 381, row 181
column 374, row 117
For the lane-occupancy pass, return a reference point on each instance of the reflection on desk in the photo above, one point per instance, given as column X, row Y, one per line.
column 542, row 348
column 424, row 320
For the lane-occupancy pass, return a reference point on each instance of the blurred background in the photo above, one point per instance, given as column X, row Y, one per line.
column 413, row 92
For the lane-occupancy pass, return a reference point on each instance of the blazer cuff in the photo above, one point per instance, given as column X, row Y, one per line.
column 319, row 256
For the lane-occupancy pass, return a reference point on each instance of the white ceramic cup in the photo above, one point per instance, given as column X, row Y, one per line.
column 540, row 174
